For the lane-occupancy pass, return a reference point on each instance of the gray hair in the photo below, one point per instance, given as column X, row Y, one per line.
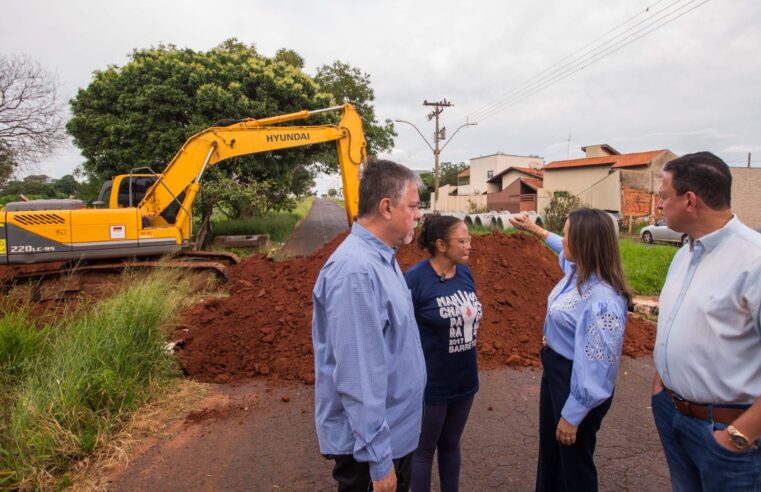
column 383, row 179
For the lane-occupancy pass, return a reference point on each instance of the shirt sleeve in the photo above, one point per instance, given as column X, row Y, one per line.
column 555, row 243
column 597, row 356
column 361, row 375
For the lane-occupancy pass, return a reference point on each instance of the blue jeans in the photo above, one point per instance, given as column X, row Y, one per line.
column 696, row 461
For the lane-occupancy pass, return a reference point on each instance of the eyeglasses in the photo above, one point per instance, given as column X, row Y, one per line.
column 464, row 241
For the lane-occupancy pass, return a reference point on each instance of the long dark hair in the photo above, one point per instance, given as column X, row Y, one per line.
column 435, row 227
column 593, row 242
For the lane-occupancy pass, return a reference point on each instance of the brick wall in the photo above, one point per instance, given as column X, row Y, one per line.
column 746, row 195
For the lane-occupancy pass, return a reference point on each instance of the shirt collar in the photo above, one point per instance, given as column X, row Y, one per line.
column 386, row 252
column 712, row 240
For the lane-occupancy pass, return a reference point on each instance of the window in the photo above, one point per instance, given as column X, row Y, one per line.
column 489, row 174
column 463, row 181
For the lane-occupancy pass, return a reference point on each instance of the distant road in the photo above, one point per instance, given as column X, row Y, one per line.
column 323, row 223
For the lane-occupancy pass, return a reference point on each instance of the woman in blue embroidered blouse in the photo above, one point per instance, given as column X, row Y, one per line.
column 447, row 312
column 584, row 334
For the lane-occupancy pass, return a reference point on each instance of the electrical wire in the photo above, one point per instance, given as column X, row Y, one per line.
column 581, row 65
column 658, row 19
column 573, row 55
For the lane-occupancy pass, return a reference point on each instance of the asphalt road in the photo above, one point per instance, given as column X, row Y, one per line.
column 323, row 223
column 249, row 438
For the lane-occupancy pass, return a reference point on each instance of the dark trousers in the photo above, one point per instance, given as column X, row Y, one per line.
column 354, row 476
column 442, row 429
column 564, row 468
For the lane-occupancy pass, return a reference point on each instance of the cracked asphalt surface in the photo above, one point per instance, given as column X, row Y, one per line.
column 249, row 438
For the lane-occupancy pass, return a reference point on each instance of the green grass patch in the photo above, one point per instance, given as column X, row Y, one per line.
column 75, row 384
column 279, row 225
column 645, row 265
column 479, row 230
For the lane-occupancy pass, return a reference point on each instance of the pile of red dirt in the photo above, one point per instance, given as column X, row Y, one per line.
column 263, row 329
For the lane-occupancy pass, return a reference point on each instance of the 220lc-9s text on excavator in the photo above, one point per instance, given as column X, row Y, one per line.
column 149, row 215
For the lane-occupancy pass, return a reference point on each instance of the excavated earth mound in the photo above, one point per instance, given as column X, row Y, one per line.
column 263, row 329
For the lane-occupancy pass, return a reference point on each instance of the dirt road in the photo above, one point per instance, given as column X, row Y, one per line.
column 249, row 438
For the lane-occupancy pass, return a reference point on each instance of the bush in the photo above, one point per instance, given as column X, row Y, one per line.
column 557, row 211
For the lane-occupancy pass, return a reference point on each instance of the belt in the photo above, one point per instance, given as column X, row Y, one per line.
column 722, row 415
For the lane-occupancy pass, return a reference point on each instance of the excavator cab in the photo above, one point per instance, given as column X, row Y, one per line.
column 125, row 190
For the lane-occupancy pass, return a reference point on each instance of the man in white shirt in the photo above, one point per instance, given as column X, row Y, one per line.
column 707, row 389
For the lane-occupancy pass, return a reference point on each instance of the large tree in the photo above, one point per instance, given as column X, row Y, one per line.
column 350, row 84
column 31, row 113
column 141, row 113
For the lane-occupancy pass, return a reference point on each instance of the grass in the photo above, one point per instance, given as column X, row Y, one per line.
column 69, row 387
column 279, row 225
column 645, row 265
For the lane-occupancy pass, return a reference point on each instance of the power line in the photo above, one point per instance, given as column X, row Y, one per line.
column 532, row 79
column 586, row 63
column 590, row 58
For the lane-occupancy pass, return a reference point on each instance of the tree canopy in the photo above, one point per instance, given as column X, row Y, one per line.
column 40, row 186
column 141, row 113
column 350, row 84
column 448, row 176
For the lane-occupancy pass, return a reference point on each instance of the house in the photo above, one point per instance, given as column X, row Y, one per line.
column 484, row 168
column 516, row 189
column 475, row 182
column 607, row 179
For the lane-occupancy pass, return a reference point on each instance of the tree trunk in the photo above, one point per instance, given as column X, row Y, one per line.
column 204, row 230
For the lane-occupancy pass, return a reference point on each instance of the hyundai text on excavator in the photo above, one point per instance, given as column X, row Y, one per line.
column 149, row 215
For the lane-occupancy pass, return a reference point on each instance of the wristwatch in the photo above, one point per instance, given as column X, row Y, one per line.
column 738, row 439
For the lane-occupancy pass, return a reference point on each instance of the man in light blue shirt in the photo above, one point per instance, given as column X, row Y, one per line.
column 707, row 389
column 369, row 365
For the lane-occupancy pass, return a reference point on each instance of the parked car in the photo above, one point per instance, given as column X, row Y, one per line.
column 660, row 232
column 617, row 218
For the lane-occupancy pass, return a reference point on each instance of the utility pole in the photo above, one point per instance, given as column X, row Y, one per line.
column 437, row 135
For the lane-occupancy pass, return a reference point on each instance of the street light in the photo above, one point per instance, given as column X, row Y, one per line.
column 436, row 151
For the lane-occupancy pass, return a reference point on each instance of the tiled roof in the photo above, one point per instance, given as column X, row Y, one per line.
column 615, row 161
column 464, row 172
column 533, row 183
column 526, row 170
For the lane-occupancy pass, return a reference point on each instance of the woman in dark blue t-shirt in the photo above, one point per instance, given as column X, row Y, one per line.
column 447, row 312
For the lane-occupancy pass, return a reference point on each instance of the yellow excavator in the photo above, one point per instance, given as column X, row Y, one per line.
column 149, row 214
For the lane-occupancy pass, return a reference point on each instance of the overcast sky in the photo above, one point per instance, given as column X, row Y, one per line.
column 691, row 85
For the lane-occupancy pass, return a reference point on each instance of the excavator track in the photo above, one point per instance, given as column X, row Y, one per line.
column 59, row 277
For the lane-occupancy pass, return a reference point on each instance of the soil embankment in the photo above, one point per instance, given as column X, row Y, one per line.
column 263, row 329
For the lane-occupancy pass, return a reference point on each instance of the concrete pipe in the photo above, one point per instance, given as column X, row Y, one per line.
column 503, row 222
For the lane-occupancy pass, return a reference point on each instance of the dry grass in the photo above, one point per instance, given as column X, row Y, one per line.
column 151, row 420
